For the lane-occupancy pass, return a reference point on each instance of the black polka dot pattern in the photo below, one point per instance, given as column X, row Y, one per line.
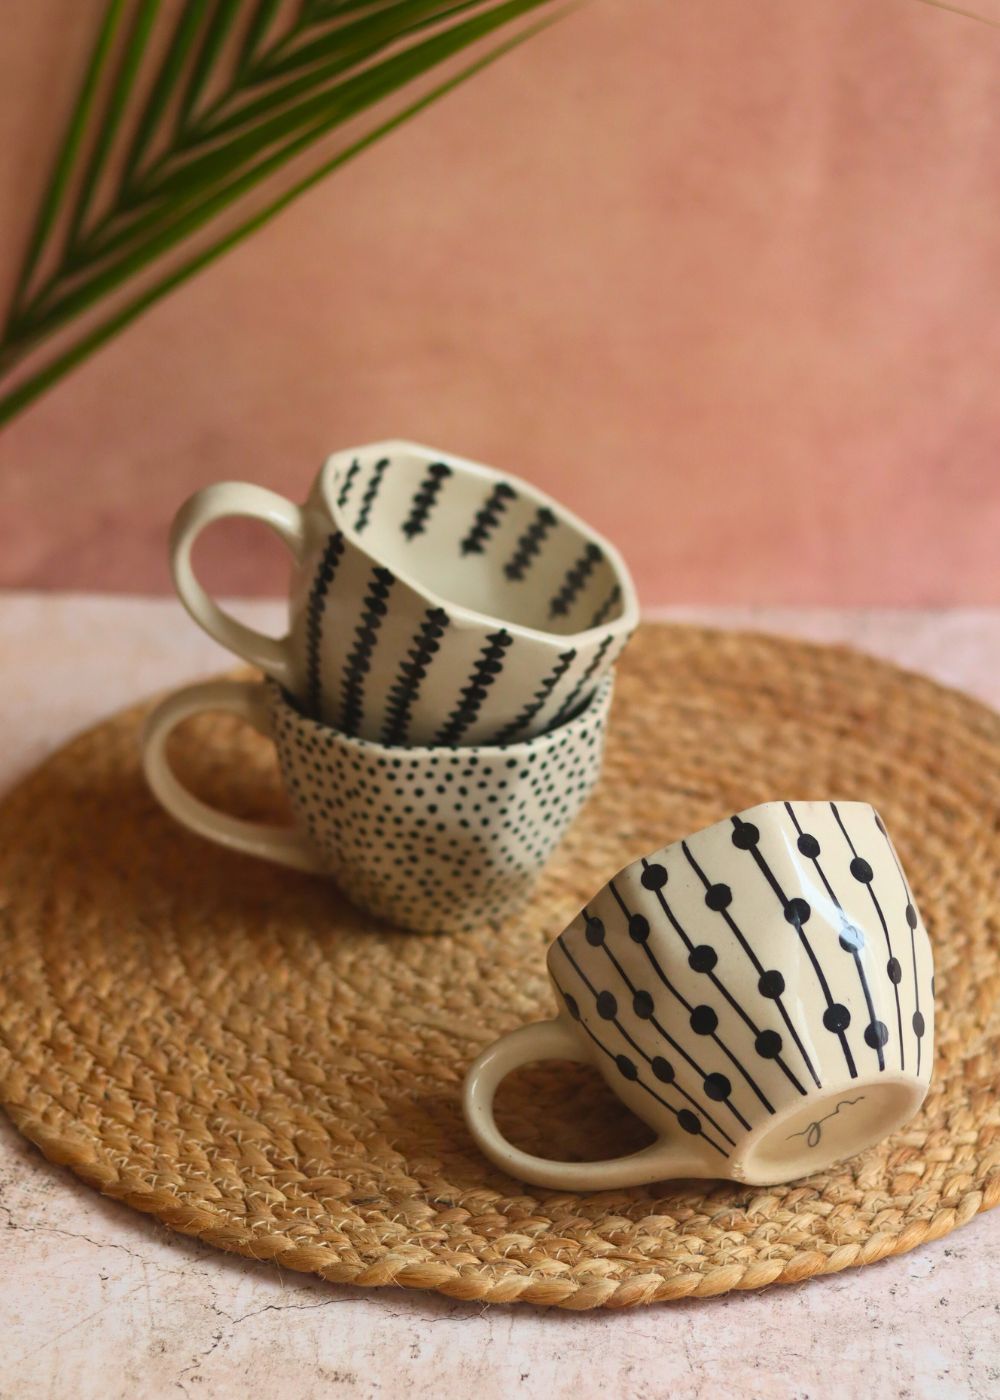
column 436, row 839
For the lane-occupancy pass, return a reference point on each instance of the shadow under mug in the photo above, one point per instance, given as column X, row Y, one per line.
column 761, row 994
column 434, row 601
column 431, row 839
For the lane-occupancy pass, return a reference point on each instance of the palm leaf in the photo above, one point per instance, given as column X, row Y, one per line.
column 156, row 151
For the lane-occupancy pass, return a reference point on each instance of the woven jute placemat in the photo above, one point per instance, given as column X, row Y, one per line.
column 235, row 1050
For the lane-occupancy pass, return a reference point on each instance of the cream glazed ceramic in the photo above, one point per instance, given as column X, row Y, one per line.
column 761, row 994
column 430, row 838
column 434, row 601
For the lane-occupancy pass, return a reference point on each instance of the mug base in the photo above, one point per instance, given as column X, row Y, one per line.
column 828, row 1127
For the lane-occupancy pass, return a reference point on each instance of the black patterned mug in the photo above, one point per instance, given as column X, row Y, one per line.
column 761, row 994
column 434, row 601
column 431, row 839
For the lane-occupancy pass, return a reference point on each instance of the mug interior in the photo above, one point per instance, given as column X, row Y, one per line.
column 477, row 539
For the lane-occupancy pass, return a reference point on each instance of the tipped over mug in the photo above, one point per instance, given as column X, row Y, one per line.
column 431, row 839
column 761, row 994
column 434, row 601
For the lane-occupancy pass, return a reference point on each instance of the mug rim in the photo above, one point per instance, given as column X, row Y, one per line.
column 627, row 620
column 596, row 707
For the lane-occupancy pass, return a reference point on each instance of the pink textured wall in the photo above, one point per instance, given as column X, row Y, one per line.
column 721, row 274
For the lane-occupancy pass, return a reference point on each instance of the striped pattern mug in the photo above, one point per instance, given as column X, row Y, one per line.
column 761, row 994
column 434, row 601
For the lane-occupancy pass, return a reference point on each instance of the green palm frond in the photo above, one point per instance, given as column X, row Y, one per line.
column 965, row 14
column 183, row 111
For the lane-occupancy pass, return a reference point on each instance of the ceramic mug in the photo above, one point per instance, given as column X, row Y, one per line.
column 433, row 601
column 431, row 839
column 761, row 994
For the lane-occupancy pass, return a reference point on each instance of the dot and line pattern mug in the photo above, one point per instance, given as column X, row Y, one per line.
column 434, row 601
column 761, row 994
column 431, row 839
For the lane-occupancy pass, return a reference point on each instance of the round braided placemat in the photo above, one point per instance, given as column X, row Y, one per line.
column 232, row 1048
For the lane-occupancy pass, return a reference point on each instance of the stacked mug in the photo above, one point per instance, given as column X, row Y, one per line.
column 440, row 701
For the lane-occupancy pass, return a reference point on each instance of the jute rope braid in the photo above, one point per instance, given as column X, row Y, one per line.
column 233, row 1049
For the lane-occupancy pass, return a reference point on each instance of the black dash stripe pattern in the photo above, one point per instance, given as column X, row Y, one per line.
column 404, row 690
column 425, row 498
column 314, row 621
column 607, row 607
column 487, row 668
column 655, row 880
column 576, row 696
column 627, row 1068
column 487, row 518
column 359, row 661
column 746, row 838
column 345, row 489
column 520, row 722
column 529, row 545
column 850, row 938
column 575, row 580
column 758, row 966
column 371, row 491
column 911, row 920
column 649, row 1014
column 857, row 862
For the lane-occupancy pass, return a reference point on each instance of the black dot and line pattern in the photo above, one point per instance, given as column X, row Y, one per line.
column 648, row 1018
column 850, row 937
column 488, row 546
column 836, row 1017
column 432, row 838
column 699, row 1124
column 877, row 1033
column 918, row 1021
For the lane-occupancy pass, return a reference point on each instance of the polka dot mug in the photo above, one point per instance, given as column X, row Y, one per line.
column 431, row 839
column 761, row 994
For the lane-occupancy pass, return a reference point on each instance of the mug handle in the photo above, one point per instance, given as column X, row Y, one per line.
column 226, row 499
column 248, row 700
column 554, row 1040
